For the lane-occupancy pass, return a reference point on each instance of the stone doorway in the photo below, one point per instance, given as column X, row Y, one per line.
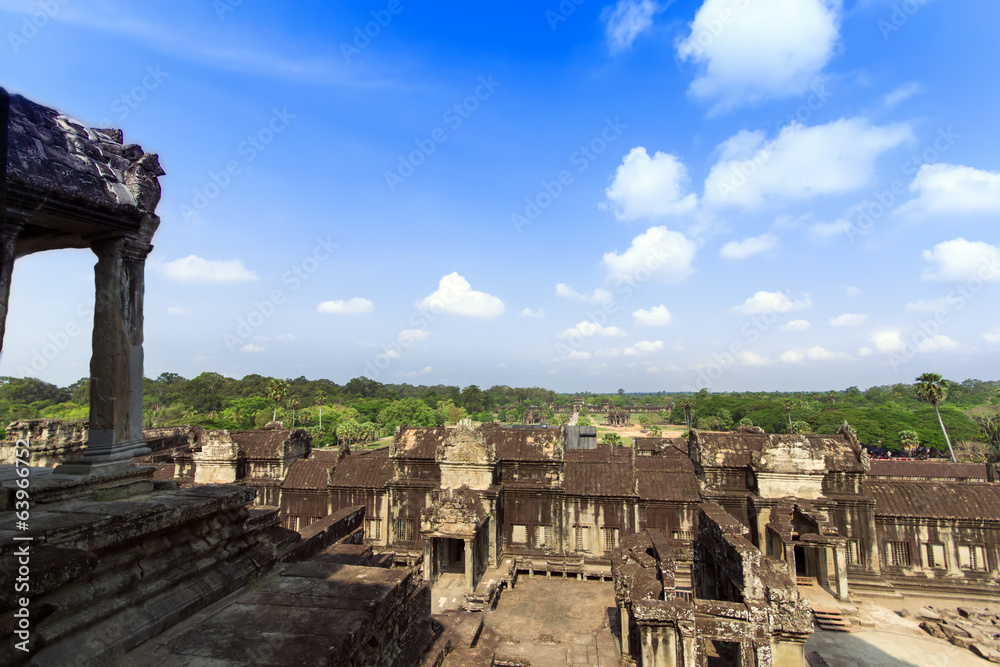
column 452, row 555
column 800, row 562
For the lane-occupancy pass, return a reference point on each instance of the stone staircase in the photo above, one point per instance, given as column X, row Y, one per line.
column 830, row 619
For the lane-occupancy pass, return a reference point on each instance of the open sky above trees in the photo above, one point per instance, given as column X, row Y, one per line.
column 766, row 195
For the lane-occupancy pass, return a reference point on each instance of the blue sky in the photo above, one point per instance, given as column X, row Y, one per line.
column 766, row 195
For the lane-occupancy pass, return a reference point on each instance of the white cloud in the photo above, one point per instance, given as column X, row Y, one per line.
column 599, row 295
column 650, row 187
column 657, row 252
column 285, row 337
column 194, row 269
column 454, row 295
column 824, row 231
column 174, row 310
column 250, row 347
column 888, row 341
column 749, row 358
column 777, row 302
column 576, row 355
column 899, row 94
column 851, row 291
column 407, row 337
column 760, row 49
column 939, row 343
column 353, row 306
column 626, row 21
column 865, row 351
column 993, row 336
column 814, row 353
column 586, row 329
column 795, row 325
column 657, row 316
column 426, row 369
column 800, row 163
column 528, row 312
column 949, row 189
column 748, row 247
column 393, row 353
column 928, row 306
column 848, row 320
column 959, row 259
column 643, row 347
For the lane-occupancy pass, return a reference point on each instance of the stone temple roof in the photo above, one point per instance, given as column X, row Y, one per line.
column 52, row 155
column 975, row 502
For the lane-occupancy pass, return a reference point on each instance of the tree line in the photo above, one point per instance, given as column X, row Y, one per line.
column 897, row 417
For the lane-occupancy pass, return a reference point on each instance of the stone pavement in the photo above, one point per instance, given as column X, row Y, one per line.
column 556, row 622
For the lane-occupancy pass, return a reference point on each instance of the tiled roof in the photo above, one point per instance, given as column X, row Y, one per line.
column 419, row 443
column 923, row 469
column 311, row 473
column 371, row 471
column 936, row 500
column 605, row 478
column 526, row 444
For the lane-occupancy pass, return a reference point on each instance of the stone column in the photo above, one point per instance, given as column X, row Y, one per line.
column 428, row 559
column 624, row 621
column 11, row 224
column 116, row 361
column 840, row 568
column 469, row 544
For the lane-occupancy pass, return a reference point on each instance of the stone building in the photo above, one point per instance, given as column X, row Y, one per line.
column 464, row 498
column 65, row 185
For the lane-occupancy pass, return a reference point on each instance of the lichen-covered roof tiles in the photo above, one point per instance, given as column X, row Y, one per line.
column 418, row 443
column 527, row 444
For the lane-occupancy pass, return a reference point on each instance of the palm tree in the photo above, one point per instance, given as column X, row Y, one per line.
column 320, row 399
column 293, row 403
column 687, row 404
column 277, row 392
column 931, row 388
column 788, row 408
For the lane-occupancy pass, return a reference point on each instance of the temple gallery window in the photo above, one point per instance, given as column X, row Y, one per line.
column 934, row 555
column 972, row 557
column 897, row 554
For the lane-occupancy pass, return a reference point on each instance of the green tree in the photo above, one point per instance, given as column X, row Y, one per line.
column 277, row 392
column 788, row 405
column 655, row 432
column 611, row 438
column 933, row 389
column 910, row 440
column 408, row 412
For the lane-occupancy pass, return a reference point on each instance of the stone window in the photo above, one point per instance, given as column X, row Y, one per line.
column 683, row 534
column 519, row 533
column 373, row 529
column 934, row 554
column 582, row 537
column 543, row 536
column 610, row 538
column 897, row 554
column 972, row 557
column 855, row 552
column 405, row 529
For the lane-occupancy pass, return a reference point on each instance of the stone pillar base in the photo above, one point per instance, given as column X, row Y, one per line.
column 104, row 455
